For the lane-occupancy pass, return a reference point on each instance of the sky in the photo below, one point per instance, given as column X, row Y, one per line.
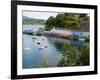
column 39, row 15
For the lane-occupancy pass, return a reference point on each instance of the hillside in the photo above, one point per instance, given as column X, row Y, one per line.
column 74, row 21
column 28, row 20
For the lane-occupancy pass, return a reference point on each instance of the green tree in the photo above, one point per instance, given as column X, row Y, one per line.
column 62, row 20
column 84, row 54
column 74, row 57
column 70, row 56
column 50, row 23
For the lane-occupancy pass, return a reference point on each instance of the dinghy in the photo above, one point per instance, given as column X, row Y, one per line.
column 27, row 48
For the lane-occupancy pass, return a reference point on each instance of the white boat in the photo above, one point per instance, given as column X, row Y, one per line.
column 41, row 48
column 81, row 39
column 27, row 48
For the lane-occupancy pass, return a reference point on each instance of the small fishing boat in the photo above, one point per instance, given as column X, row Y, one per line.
column 43, row 39
column 38, row 43
column 41, row 48
column 27, row 48
column 81, row 39
column 46, row 46
column 34, row 38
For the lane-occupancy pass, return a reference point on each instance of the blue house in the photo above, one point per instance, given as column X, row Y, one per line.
column 79, row 34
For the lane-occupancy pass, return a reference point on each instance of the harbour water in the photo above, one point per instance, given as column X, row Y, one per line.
column 40, row 49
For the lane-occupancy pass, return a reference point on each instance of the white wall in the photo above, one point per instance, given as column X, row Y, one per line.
column 5, row 36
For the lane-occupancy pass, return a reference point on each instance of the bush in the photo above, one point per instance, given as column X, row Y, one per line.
column 73, row 57
column 84, row 54
column 70, row 56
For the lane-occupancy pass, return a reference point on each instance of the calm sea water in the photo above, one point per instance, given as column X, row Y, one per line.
column 40, row 49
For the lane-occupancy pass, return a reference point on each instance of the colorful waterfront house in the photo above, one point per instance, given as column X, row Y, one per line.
column 64, row 33
column 77, row 33
column 80, row 34
column 61, row 32
column 86, row 34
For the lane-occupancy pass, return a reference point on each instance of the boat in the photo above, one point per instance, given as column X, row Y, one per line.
column 27, row 48
column 81, row 39
column 46, row 46
column 34, row 38
column 29, row 32
column 41, row 48
column 43, row 39
column 38, row 43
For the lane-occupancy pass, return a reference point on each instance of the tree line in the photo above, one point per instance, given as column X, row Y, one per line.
column 65, row 20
